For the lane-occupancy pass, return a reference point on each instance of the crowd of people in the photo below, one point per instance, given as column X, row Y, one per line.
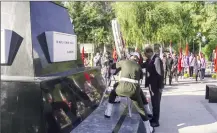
column 192, row 66
column 158, row 68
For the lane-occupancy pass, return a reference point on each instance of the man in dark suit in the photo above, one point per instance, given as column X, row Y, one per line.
column 154, row 80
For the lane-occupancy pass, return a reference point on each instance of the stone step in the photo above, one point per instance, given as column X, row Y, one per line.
column 97, row 123
column 120, row 122
column 132, row 124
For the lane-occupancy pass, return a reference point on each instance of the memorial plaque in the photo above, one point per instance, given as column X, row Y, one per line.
column 61, row 46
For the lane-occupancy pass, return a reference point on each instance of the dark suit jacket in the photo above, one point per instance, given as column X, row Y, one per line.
column 175, row 63
column 169, row 64
column 155, row 69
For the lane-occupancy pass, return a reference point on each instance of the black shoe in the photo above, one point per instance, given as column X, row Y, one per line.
column 106, row 116
column 117, row 102
column 155, row 124
column 150, row 116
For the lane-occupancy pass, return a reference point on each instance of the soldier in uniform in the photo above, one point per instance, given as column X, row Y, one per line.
column 154, row 80
column 129, row 86
column 175, row 67
column 169, row 67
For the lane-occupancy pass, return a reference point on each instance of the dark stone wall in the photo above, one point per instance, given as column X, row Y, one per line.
column 21, row 108
column 47, row 16
column 28, row 107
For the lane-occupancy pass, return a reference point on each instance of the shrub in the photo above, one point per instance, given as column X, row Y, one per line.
column 186, row 75
column 214, row 76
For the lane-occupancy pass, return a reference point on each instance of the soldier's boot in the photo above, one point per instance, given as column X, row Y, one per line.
column 148, row 127
column 148, row 111
column 108, row 111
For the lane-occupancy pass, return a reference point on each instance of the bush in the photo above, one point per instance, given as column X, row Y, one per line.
column 186, row 75
column 214, row 76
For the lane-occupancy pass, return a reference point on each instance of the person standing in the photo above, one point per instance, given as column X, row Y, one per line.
column 154, row 80
column 165, row 68
column 106, row 62
column 175, row 67
column 169, row 67
column 191, row 65
column 129, row 86
column 203, row 66
column 97, row 59
column 197, row 67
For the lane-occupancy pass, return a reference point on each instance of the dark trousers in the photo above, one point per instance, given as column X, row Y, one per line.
column 191, row 71
column 138, row 97
column 165, row 77
column 155, row 100
column 170, row 76
column 202, row 73
column 198, row 74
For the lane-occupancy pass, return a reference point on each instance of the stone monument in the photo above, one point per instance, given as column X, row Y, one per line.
column 42, row 88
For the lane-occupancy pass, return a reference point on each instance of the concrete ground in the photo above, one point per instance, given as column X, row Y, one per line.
column 185, row 110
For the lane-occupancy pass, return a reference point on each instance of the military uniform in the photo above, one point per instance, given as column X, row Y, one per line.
column 175, row 68
column 129, row 86
column 169, row 69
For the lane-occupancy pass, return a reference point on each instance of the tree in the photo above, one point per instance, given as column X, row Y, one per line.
column 92, row 21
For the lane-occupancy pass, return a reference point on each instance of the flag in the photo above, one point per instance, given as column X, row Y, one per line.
column 114, row 55
column 180, row 60
column 216, row 59
column 171, row 47
column 87, row 77
column 82, row 55
column 186, row 49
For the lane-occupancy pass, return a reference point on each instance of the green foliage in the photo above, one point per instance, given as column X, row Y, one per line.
column 214, row 76
column 92, row 21
column 160, row 22
column 186, row 75
column 147, row 23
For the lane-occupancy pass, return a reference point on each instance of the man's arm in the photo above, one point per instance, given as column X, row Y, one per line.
column 158, row 66
column 117, row 66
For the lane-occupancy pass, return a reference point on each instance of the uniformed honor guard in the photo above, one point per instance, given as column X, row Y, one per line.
column 129, row 86
column 175, row 67
column 169, row 67
column 154, row 81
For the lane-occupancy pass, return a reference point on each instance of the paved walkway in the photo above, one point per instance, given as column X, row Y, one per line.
column 185, row 110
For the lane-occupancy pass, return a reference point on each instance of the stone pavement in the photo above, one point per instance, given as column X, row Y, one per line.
column 185, row 110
